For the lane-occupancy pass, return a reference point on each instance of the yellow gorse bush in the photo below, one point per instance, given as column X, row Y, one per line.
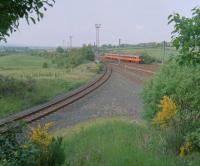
column 186, row 149
column 168, row 111
column 40, row 135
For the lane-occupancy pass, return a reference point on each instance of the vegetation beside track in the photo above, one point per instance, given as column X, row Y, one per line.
column 32, row 78
column 172, row 97
column 116, row 141
column 23, row 146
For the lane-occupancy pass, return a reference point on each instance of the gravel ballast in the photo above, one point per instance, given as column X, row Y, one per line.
column 117, row 97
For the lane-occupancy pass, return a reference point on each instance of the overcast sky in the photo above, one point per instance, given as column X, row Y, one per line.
column 134, row 21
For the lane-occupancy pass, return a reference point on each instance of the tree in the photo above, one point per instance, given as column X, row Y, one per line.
column 60, row 49
column 88, row 52
column 12, row 10
column 186, row 36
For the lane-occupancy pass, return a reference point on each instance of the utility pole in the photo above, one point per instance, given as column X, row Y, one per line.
column 164, row 51
column 120, row 40
column 63, row 44
column 70, row 41
column 97, row 26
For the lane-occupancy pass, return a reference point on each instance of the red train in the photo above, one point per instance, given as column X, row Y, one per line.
column 127, row 58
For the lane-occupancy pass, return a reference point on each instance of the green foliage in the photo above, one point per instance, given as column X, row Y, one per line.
column 194, row 138
column 60, row 50
column 88, row 52
column 13, row 151
column 16, row 149
column 19, row 95
column 149, row 59
column 11, row 86
column 12, row 11
column 186, row 36
column 75, row 57
column 100, row 68
column 55, row 154
column 181, row 83
column 45, row 65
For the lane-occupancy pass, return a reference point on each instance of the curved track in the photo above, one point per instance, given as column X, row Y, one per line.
column 125, row 69
column 53, row 107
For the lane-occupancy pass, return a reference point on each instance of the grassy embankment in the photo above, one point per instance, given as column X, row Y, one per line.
column 115, row 141
column 34, row 84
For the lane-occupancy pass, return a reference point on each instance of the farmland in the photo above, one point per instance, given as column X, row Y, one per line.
column 25, row 81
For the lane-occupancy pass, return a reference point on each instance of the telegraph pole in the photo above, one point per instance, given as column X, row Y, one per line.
column 164, row 51
column 63, row 43
column 70, row 41
column 97, row 26
column 120, row 40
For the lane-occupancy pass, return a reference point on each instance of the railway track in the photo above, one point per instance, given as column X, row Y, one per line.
column 63, row 102
column 137, row 73
column 53, row 107
column 145, row 68
column 149, row 69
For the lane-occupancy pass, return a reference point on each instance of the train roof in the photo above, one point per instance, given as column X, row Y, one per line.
column 125, row 55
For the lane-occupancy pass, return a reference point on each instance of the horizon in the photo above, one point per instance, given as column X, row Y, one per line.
column 132, row 21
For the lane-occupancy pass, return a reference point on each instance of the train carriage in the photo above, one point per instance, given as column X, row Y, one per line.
column 127, row 58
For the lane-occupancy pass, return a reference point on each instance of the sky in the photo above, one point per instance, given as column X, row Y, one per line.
column 134, row 21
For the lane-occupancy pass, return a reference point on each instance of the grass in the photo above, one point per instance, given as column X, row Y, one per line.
column 82, row 72
column 47, row 82
column 115, row 141
column 44, row 90
column 23, row 61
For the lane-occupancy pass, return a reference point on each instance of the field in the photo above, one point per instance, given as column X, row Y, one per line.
column 155, row 52
column 115, row 141
column 33, row 84
column 19, row 61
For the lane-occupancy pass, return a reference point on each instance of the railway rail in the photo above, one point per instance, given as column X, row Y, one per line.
column 53, row 107
column 80, row 93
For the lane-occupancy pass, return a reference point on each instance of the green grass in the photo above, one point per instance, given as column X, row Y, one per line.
column 47, row 82
column 115, row 142
column 22, row 61
column 44, row 90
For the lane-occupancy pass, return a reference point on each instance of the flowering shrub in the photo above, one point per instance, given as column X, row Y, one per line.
column 168, row 111
column 40, row 136
column 192, row 143
column 186, row 149
column 39, row 148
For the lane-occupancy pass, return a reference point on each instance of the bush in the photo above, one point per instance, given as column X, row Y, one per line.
column 181, row 84
column 35, row 148
column 11, row 86
column 45, row 65
column 13, row 148
column 75, row 57
column 149, row 59
column 100, row 68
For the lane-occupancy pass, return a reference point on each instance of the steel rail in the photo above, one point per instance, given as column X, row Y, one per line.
column 131, row 67
column 53, row 107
